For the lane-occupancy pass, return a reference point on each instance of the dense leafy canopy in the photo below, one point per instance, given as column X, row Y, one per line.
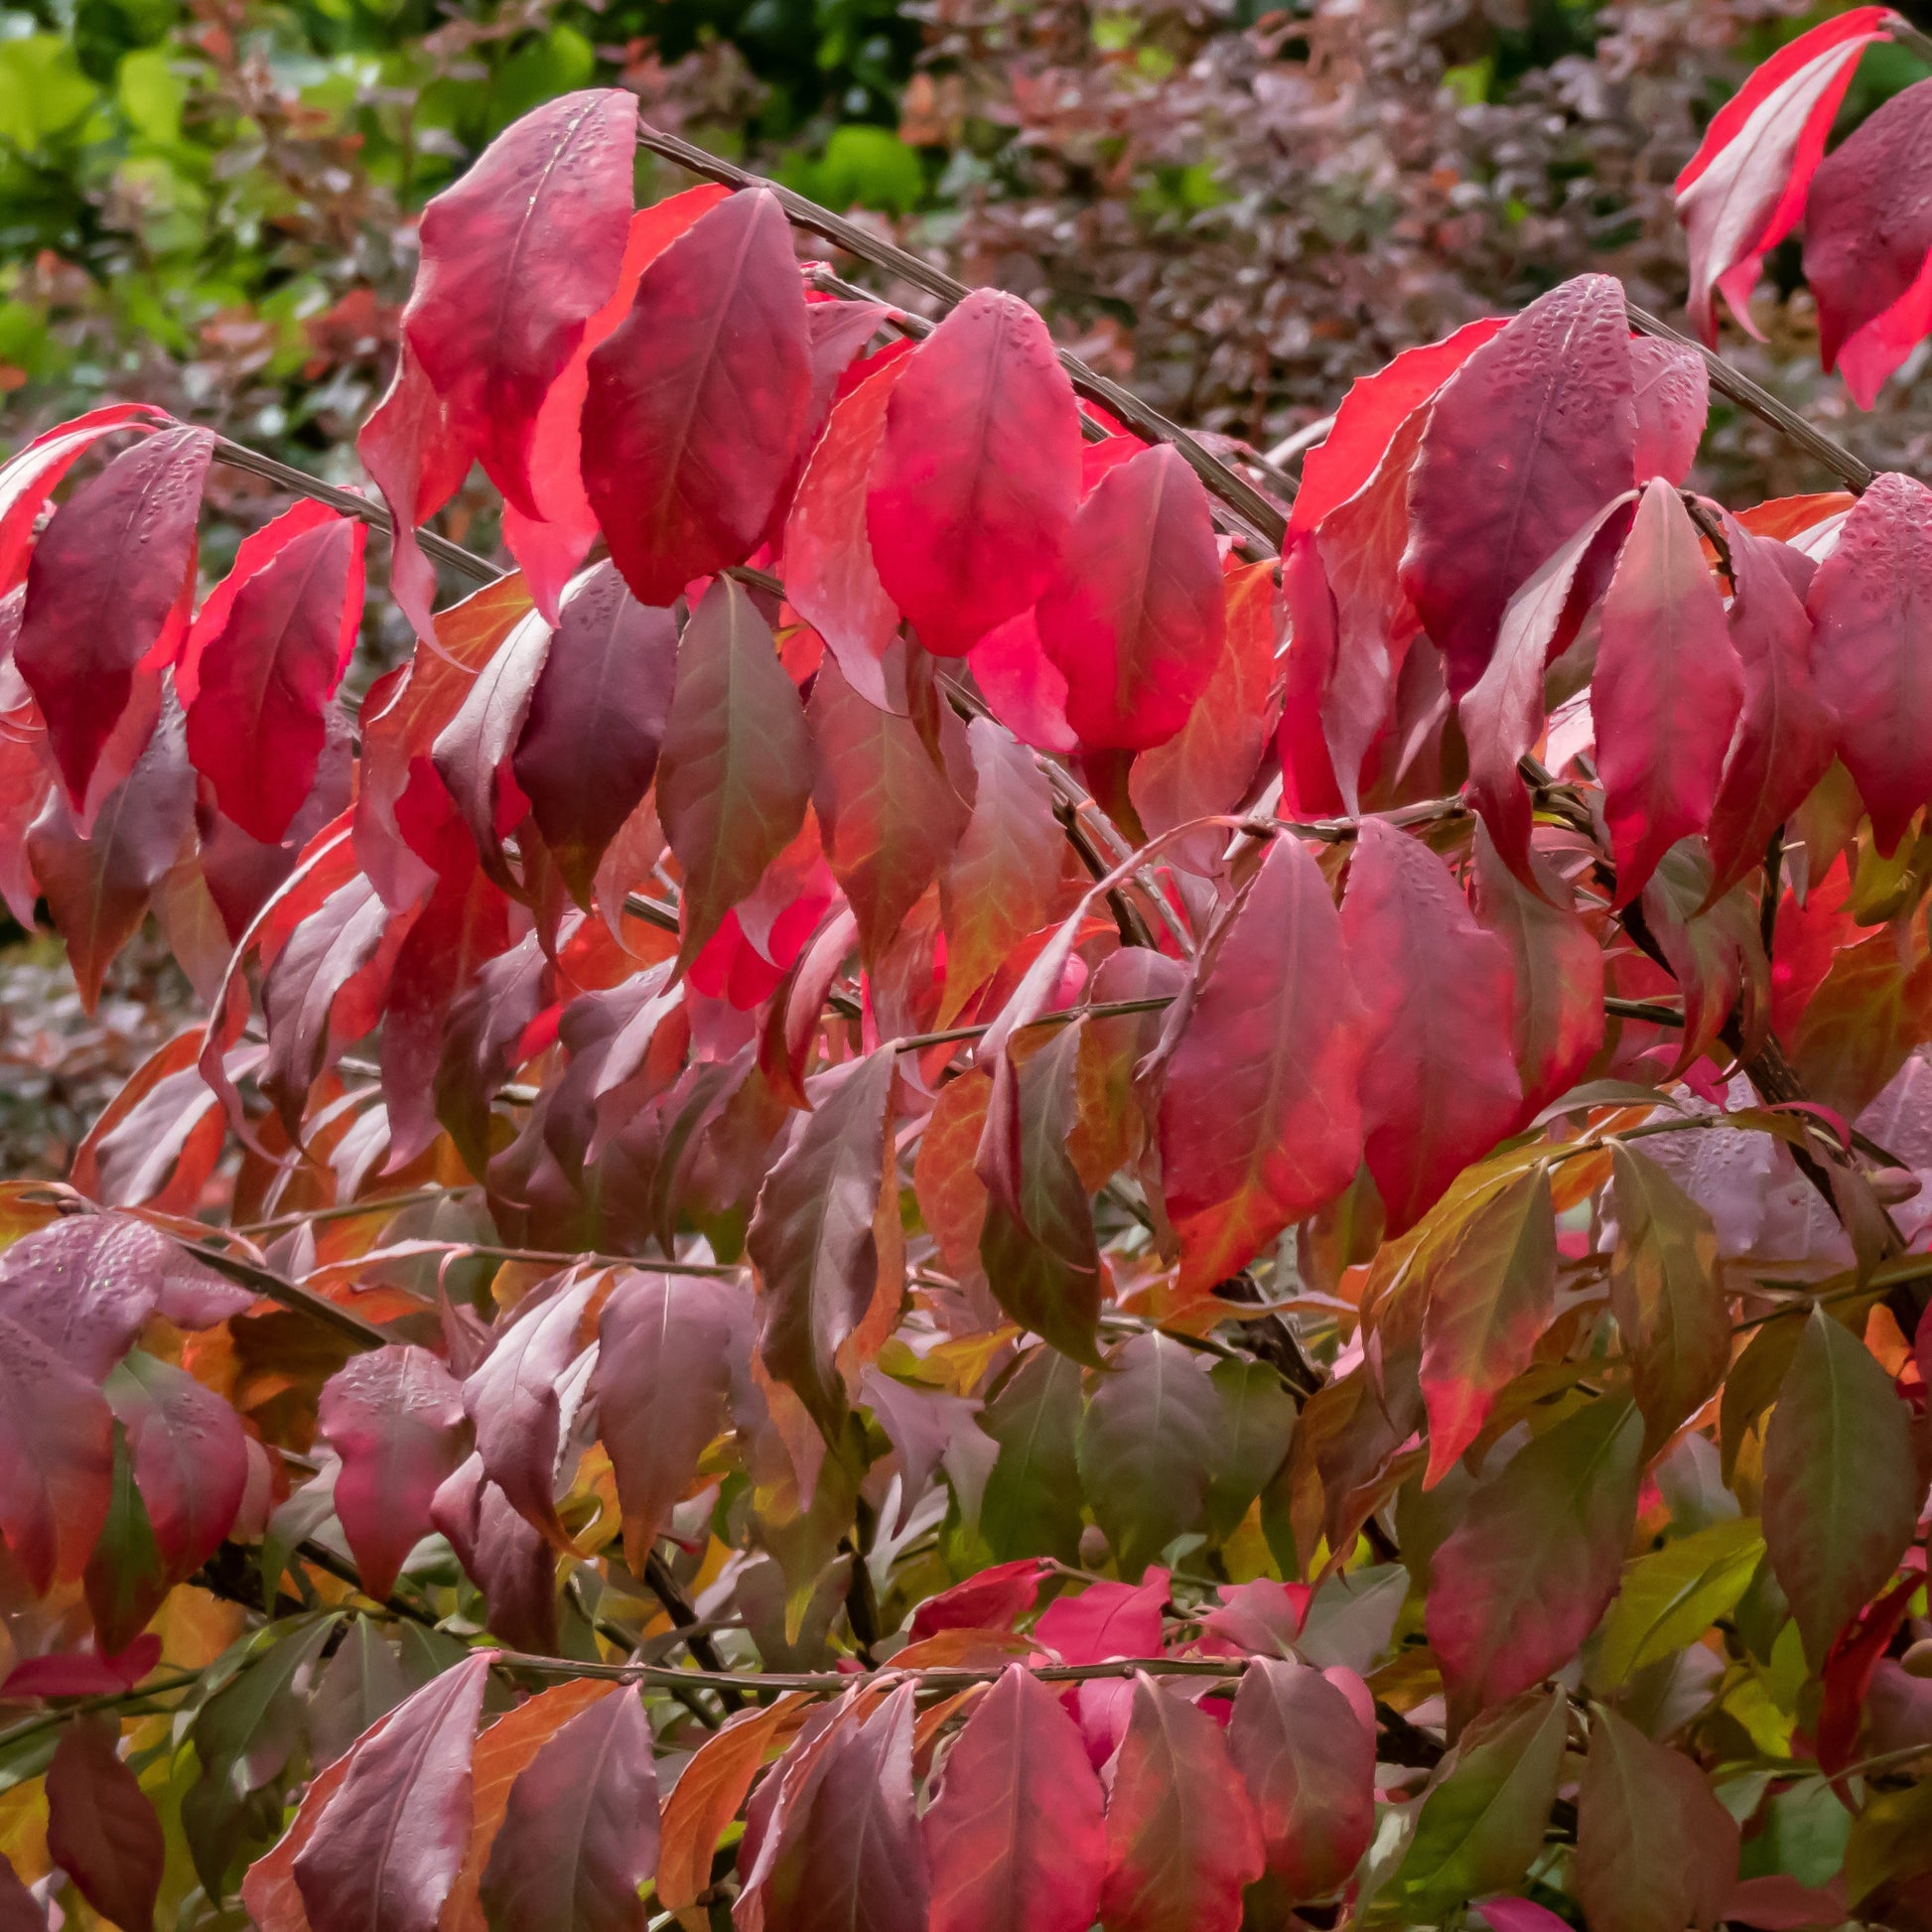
column 952, row 1206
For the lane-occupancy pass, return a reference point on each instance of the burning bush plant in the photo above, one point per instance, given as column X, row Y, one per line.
column 956, row 1175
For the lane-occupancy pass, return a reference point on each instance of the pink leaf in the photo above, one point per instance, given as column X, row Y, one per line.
column 976, row 479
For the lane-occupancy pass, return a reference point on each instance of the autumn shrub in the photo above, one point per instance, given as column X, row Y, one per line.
column 959, row 1176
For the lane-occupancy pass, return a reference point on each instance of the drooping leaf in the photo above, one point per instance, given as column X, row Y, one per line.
column 814, row 1236
column 1524, row 1577
column 1439, row 1082
column 1656, row 1850
column 1667, row 691
column 1036, row 1242
column 107, row 595
column 1483, row 1817
column 1260, row 1122
column 190, row 1457
column 1152, row 1437
column 1556, row 969
column 1031, row 1504
column 472, row 752
column 1865, row 243
column 580, row 1834
column 517, row 254
column 972, row 490
column 512, row 1400
column 97, row 886
column 101, row 1829
column 830, row 577
column 1308, row 1764
column 1670, row 1309
column 1000, row 881
column 1841, row 1490
column 1491, row 1293
column 1258, row 1416
column 395, row 1418
column 56, row 1459
column 31, row 475
column 1672, row 398
column 85, row 1285
column 1544, row 412
column 256, row 726
column 699, row 401
column 1015, row 1838
column 888, row 813
column 663, row 1371
column 735, row 766
column 596, row 720
column 1743, row 189
column 1786, row 736
column 386, row 1849
column 1133, row 617
column 1864, row 601
column 1182, row 1837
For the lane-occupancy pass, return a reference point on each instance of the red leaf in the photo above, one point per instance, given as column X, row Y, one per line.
column 516, row 256
column 699, row 402
column 264, row 678
column 1438, row 1086
column 830, row 577
column 1870, row 665
column 1015, row 1836
column 1785, row 738
column 1133, row 620
column 389, row 1844
column 1260, row 1122
column 1556, row 969
column 1309, row 1763
column 975, row 484
column 97, row 886
column 580, row 1834
column 847, row 1853
column 1209, row 764
column 1672, row 398
column 1743, row 189
column 1667, row 690
column 189, row 1456
column 1106, row 1621
column 1375, row 407
column 82, row 1673
column 889, row 814
column 663, row 1370
column 395, row 1418
column 107, row 595
column 548, row 548
column 993, row 1600
column 736, row 760
column 418, row 463
column 472, row 752
column 506, row 1558
column 1182, row 1838
column 102, row 1830
column 1523, row 1578
column 1024, row 687
column 513, row 1402
column 1543, row 414
column 31, row 475
column 812, row 1235
column 596, row 718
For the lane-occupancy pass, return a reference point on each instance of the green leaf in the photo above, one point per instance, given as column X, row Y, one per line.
column 1842, row 1489
column 43, row 91
column 1152, row 1432
column 247, row 1734
column 1483, row 1817
column 1671, row 1596
column 125, row 1579
column 1259, row 1419
column 1031, row 1506
column 1663, row 1291
column 1891, row 1837
column 151, row 94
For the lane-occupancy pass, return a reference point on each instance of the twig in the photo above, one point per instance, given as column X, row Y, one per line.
column 679, row 1608
column 1260, row 520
